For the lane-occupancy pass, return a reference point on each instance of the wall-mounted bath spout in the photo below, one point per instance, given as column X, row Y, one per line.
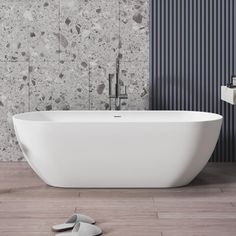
column 118, row 96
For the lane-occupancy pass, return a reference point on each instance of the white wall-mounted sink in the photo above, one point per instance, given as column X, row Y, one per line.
column 228, row 95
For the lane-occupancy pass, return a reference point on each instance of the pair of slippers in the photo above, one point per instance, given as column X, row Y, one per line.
column 81, row 225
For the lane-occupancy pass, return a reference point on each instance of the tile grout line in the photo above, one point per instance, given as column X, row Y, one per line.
column 59, row 41
column 49, row 60
column 59, row 25
column 28, row 70
column 119, row 41
column 29, row 81
column 89, row 85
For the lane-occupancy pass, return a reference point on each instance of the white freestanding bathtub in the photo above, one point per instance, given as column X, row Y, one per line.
column 117, row 148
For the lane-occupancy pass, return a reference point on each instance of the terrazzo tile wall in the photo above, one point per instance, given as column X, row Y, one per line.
column 57, row 54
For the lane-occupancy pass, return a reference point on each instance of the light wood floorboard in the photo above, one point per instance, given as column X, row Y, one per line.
column 207, row 207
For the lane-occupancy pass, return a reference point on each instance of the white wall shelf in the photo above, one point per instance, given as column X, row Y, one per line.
column 228, row 95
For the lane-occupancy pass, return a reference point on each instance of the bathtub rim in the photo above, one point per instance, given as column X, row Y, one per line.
column 20, row 117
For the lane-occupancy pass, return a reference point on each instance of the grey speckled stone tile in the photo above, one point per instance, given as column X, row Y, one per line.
column 134, row 30
column 89, row 30
column 13, row 31
column 57, row 54
column 72, row 89
column 99, row 86
column 43, row 76
column 136, row 76
column 29, row 29
column 13, row 99
column 59, row 86
column 42, row 17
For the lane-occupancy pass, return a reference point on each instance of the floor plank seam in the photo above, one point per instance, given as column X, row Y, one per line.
column 18, row 190
column 4, row 191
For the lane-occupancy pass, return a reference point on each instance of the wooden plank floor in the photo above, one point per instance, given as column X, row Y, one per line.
column 206, row 207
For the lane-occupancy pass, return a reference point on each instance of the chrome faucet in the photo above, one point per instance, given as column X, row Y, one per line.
column 118, row 96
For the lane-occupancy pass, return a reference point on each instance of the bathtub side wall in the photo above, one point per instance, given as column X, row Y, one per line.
column 82, row 154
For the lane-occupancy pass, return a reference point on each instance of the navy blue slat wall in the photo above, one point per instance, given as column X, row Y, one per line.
column 194, row 53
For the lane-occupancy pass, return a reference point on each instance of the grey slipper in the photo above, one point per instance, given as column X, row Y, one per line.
column 83, row 229
column 70, row 223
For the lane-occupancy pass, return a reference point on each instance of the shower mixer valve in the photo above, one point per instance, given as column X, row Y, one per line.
column 117, row 95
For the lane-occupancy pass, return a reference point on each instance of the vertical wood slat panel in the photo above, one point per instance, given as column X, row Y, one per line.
column 193, row 54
